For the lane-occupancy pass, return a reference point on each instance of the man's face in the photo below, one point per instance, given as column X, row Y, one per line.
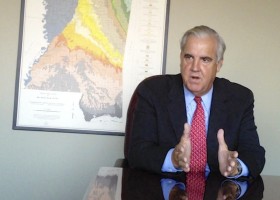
column 199, row 64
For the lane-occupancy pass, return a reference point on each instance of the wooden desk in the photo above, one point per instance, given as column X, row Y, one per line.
column 114, row 183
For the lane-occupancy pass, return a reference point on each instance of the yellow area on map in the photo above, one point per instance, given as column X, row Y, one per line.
column 97, row 44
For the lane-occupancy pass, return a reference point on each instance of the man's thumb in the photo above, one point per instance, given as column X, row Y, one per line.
column 186, row 134
column 221, row 139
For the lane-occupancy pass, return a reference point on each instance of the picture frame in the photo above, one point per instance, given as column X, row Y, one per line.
column 80, row 61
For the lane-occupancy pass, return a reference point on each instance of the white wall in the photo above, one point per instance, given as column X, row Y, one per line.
column 44, row 165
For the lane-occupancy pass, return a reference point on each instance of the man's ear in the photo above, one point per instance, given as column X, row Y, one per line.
column 219, row 65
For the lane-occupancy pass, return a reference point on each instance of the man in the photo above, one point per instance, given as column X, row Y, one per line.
column 161, row 133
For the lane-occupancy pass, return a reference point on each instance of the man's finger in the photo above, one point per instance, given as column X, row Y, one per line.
column 221, row 140
column 187, row 128
column 186, row 134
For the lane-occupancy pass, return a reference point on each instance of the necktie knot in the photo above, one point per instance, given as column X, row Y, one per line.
column 197, row 100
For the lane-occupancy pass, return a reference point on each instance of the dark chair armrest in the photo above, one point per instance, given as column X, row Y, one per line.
column 121, row 162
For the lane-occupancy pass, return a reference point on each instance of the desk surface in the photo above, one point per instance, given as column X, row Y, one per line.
column 114, row 183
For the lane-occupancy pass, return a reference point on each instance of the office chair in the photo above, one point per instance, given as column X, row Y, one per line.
column 122, row 162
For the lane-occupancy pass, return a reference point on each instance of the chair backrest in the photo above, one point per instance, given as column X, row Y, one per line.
column 129, row 118
column 129, row 121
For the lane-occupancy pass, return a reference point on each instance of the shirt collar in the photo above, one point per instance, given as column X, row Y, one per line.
column 206, row 99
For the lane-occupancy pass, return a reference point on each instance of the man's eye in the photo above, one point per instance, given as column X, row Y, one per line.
column 188, row 57
column 206, row 59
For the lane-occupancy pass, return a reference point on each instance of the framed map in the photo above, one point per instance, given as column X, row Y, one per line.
column 79, row 62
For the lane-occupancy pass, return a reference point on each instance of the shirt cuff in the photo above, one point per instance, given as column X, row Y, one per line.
column 245, row 171
column 167, row 164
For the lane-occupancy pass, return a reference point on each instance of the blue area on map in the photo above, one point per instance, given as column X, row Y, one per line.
column 58, row 14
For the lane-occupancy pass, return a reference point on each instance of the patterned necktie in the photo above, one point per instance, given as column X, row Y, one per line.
column 196, row 176
column 198, row 139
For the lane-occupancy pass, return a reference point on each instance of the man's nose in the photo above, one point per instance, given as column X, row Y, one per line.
column 195, row 65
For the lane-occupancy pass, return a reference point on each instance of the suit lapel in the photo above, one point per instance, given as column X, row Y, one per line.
column 217, row 119
column 176, row 107
column 218, row 112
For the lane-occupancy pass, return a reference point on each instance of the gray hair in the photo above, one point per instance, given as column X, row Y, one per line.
column 204, row 31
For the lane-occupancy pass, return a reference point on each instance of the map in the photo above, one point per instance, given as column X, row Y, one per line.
column 72, row 61
column 84, row 55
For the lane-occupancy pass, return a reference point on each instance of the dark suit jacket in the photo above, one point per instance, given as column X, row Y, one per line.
column 160, row 115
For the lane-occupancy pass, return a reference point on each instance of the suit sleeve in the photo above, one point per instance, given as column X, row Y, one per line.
column 249, row 149
column 147, row 147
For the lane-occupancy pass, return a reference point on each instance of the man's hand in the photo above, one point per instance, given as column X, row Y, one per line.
column 227, row 159
column 182, row 152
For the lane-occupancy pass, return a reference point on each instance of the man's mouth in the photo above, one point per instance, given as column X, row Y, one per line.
column 195, row 77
